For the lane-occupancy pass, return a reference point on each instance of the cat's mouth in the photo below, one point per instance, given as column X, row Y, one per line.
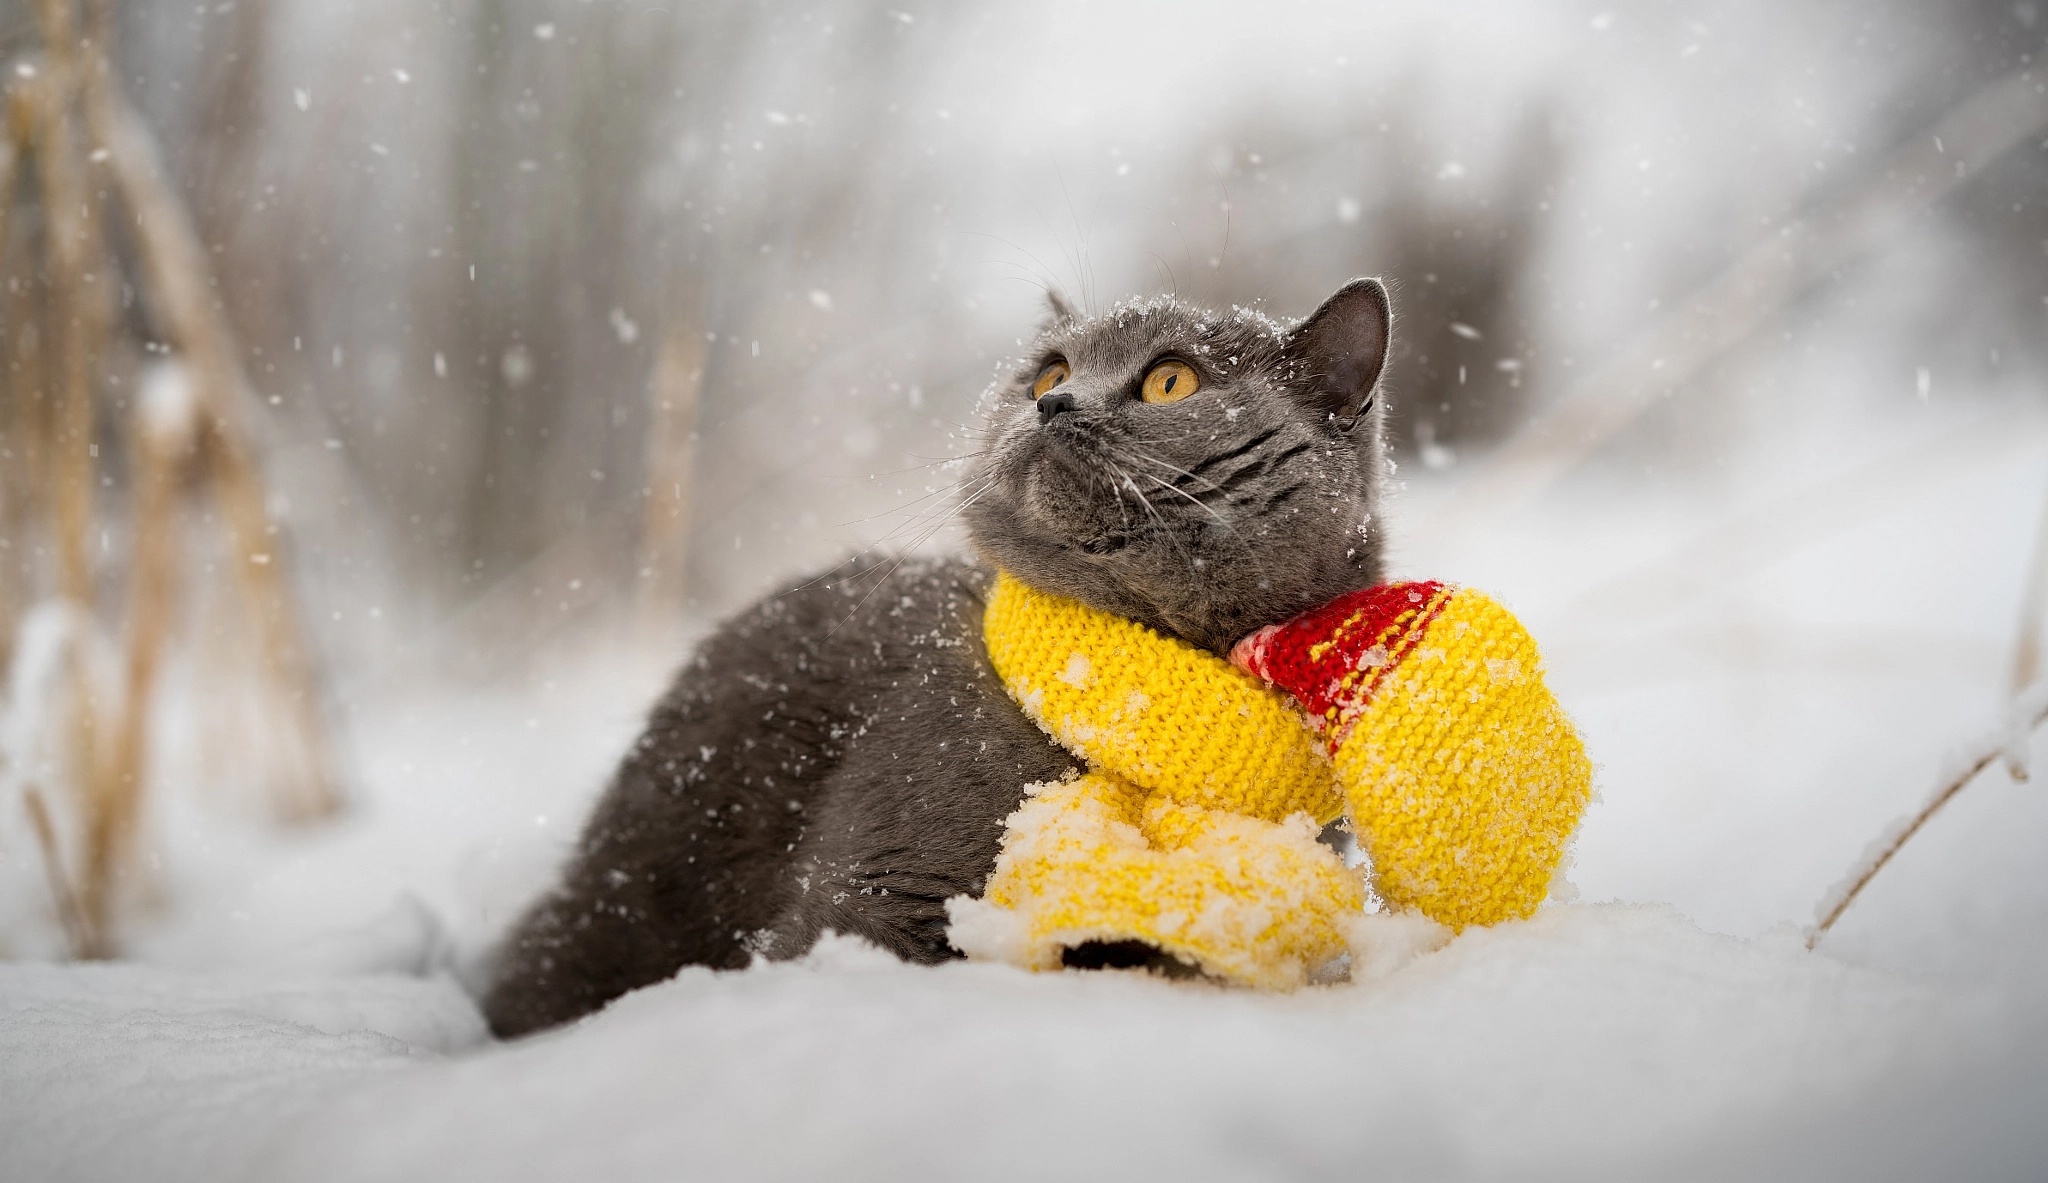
column 1070, row 450
column 1078, row 500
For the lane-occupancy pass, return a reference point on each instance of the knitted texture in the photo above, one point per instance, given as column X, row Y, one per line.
column 1418, row 709
column 1195, row 828
column 1146, row 708
column 1464, row 778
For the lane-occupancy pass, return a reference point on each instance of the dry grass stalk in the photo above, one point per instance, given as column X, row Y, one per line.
column 76, row 268
column 108, row 740
column 73, row 247
column 1986, row 754
column 161, row 444
column 178, row 286
column 70, row 917
column 20, row 430
column 1751, row 291
column 673, row 392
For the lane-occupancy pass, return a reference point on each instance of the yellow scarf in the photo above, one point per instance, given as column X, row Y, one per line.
column 1194, row 827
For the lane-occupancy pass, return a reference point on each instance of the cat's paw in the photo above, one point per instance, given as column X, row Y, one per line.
column 1128, row 955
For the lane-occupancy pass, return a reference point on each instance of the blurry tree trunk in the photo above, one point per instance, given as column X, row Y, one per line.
column 508, row 350
column 555, row 329
column 673, row 392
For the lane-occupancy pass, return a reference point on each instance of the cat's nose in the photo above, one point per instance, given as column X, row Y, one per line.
column 1054, row 403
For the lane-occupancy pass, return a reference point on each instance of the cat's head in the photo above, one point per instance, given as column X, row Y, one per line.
column 1202, row 473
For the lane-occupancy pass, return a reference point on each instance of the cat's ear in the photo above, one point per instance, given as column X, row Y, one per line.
column 1057, row 310
column 1340, row 351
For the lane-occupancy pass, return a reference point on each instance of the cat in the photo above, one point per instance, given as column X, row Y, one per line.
column 841, row 757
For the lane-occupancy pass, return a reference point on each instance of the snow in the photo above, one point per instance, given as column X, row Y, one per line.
column 296, row 1012
column 1590, row 1039
column 1773, row 639
column 127, row 1072
column 1494, row 1055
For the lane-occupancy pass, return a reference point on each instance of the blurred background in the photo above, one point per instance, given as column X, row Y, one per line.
column 471, row 356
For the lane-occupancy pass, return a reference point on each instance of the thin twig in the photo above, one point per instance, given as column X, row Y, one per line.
column 77, row 934
column 1989, row 753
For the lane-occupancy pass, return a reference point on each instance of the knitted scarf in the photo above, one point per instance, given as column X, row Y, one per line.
column 1418, row 710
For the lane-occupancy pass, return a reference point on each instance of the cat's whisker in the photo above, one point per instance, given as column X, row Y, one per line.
column 1138, row 453
column 1165, row 529
column 1196, row 501
column 908, row 551
column 1101, row 454
column 1141, row 454
column 944, row 515
column 910, row 523
column 1173, row 488
column 1123, row 512
column 930, row 462
column 927, row 496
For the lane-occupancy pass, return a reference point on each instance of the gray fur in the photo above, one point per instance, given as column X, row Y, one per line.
column 1206, row 518
column 840, row 756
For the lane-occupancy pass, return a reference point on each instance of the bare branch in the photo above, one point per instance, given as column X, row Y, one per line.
column 1750, row 291
column 1985, row 753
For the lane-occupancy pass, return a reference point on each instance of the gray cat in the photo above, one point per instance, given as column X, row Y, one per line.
column 840, row 756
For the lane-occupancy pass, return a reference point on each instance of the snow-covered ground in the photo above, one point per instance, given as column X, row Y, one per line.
column 1590, row 1041
column 1768, row 671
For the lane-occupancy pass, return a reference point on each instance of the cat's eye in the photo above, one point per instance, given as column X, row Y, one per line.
column 1049, row 377
column 1169, row 382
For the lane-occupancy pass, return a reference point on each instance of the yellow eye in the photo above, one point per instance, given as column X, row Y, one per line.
column 1169, row 382
column 1048, row 378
